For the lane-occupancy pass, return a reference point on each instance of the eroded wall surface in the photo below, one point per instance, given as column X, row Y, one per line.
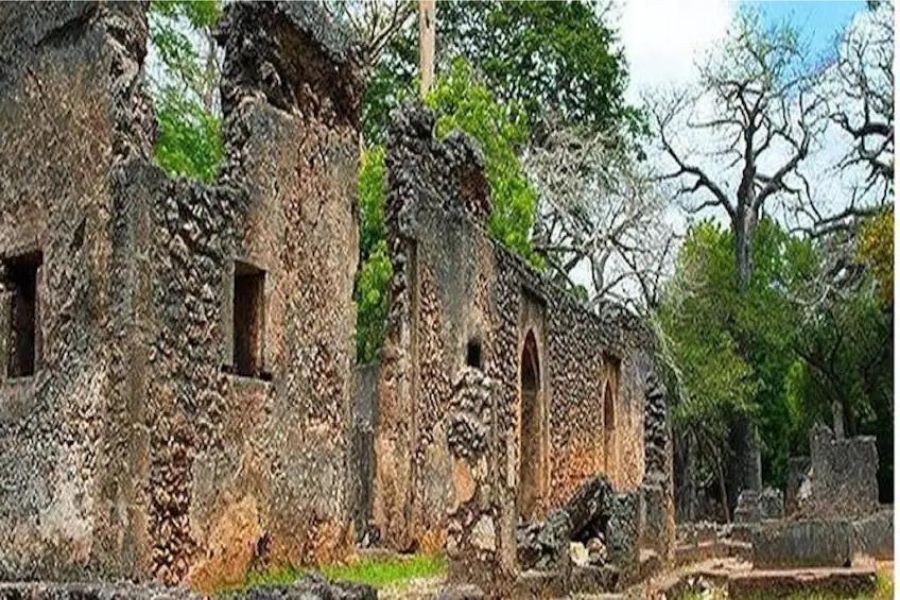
column 454, row 287
column 72, row 446
column 842, row 477
column 138, row 449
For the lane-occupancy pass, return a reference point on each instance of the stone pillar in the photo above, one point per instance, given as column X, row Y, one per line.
column 481, row 533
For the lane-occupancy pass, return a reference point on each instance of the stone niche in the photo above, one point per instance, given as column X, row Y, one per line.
column 177, row 359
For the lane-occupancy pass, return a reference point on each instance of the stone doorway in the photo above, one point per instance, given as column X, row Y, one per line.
column 531, row 433
column 609, row 430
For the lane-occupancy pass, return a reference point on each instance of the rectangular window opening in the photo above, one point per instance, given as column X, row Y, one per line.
column 249, row 316
column 22, row 344
column 473, row 354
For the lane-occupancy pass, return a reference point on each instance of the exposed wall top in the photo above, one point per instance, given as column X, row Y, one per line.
column 293, row 54
column 449, row 173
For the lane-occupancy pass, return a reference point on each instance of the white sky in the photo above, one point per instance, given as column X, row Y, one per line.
column 662, row 38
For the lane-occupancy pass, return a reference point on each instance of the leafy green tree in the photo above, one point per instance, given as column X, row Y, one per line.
column 375, row 271
column 185, row 84
column 462, row 102
column 733, row 346
column 550, row 58
column 788, row 349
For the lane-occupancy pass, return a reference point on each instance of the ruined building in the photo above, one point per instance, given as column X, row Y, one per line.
column 175, row 389
column 177, row 381
column 499, row 395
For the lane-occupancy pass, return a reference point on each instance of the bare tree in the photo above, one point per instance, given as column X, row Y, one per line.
column 601, row 209
column 374, row 22
column 757, row 114
column 858, row 88
column 865, row 76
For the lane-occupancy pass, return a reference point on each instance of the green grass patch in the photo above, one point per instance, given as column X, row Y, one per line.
column 377, row 571
column 381, row 572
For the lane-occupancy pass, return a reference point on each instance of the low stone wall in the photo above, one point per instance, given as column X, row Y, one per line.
column 824, row 542
column 874, row 535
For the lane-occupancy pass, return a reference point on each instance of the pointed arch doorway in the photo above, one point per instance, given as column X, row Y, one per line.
column 532, row 447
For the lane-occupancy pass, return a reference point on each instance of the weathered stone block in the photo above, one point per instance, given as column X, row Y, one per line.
column 771, row 504
column 873, row 536
column 808, row 543
column 623, row 535
column 842, row 478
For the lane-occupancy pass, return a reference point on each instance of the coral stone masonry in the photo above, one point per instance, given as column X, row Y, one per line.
column 175, row 397
column 178, row 396
column 561, row 394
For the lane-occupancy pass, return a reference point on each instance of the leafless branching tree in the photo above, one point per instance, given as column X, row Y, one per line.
column 374, row 22
column 756, row 114
column 602, row 210
column 865, row 76
column 858, row 89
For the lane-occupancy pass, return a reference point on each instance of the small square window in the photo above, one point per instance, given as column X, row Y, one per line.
column 249, row 316
column 23, row 341
column 473, row 353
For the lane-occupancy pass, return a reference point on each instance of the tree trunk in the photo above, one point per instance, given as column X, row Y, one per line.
column 723, row 492
column 837, row 412
column 745, row 464
column 426, row 45
column 744, row 226
column 720, row 476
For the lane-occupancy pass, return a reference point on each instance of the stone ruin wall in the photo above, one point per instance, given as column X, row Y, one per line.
column 452, row 285
column 839, row 479
column 72, row 493
column 134, row 451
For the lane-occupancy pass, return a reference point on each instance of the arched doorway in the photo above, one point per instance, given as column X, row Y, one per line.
column 609, row 430
column 531, row 432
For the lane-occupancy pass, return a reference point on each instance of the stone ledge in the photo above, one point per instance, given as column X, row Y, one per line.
column 849, row 582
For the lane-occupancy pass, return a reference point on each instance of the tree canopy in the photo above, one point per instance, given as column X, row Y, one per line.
column 185, row 83
column 558, row 59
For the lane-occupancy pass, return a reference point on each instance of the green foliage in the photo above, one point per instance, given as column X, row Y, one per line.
column 184, row 89
column 372, row 191
column 733, row 349
column 372, row 302
column 553, row 59
column 550, row 57
column 876, row 248
column 373, row 279
column 462, row 102
column 189, row 143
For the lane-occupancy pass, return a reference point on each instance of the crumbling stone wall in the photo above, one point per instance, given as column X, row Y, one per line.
column 453, row 287
column 136, row 449
column 841, row 480
column 73, row 116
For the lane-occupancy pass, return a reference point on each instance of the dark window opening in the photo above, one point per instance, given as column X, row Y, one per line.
column 473, row 354
column 22, row 282
column 249, row 315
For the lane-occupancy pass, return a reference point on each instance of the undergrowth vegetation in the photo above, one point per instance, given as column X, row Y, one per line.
column 378, row 571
